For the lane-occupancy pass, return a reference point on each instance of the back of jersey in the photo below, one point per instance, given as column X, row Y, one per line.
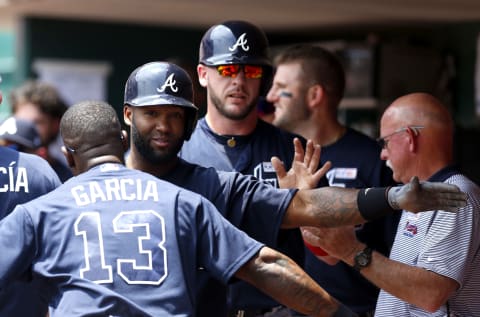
column 119, row 242
column 125, row 226
column 23, row 177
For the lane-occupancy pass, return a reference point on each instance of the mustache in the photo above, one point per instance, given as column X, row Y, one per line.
column 161, row 136
column 236, row 90
column 389, row 164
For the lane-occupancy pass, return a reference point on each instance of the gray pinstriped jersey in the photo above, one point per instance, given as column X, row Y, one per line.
column 447, row 244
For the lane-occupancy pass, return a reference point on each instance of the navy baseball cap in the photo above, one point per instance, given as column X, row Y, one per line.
column 22, row 132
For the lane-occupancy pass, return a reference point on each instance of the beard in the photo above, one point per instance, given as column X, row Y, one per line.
column 222, row 108
column 154, row 156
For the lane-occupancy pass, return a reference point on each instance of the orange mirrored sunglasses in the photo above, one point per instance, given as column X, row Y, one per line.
column 250, row 71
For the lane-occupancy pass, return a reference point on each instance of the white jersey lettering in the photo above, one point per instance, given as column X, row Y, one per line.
column 17, row 182
column 115, row 189
column 261, row 172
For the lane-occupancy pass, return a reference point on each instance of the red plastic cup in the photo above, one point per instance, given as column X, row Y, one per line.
column 315, row 250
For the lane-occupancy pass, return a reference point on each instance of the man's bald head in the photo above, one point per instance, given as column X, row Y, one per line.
column 420, row 133
column 420, row 109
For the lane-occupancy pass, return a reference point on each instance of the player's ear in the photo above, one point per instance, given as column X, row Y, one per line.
column 202, row 75
column 127, row 115
column 68, row 155
column 315, row 94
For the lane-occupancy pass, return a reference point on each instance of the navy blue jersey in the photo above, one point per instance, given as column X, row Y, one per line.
column 115, row 241
column 255, row 207
column 356, row 163
column 249, row 155
column 23, row 177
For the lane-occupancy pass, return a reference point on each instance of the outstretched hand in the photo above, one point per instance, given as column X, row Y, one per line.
column 304, row 173
column 424, row 196
column 339, row 242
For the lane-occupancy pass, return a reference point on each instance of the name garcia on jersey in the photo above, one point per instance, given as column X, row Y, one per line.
column 16, row 179
column 115, row 189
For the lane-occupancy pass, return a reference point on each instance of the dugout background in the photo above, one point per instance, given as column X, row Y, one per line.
column 406, row 58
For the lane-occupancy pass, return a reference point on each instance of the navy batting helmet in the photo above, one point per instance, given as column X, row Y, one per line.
column 162, row 83
column 234, row 42
column 237, row 42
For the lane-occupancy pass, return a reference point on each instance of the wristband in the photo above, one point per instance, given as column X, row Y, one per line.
column 373, row 203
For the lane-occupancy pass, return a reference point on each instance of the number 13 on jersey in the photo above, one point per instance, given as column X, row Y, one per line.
column 145, row 265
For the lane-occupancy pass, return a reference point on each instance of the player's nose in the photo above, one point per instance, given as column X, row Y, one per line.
column 272, row 96
column 162, row 123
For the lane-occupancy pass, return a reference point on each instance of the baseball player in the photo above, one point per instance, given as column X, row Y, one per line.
column 235, row 69
column 23, row 177
column 113, row 241
column 307, row 88
column 159, row 110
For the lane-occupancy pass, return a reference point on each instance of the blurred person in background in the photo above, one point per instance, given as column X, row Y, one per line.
column 20, row 135
column 42, row 104
column 307, row 88
column 23, row 177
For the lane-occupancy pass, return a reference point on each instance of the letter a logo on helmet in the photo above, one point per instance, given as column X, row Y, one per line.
column 170, row 82
column 242, row 42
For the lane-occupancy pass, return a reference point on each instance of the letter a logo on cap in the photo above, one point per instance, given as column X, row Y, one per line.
column 170, row 82
column 242, row 42
column 9, row 126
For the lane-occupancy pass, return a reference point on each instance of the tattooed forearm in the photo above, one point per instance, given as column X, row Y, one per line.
column 282, row 279
column 335, row 206
column 323, row 207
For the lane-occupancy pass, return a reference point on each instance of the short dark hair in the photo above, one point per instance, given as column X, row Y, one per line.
column 90, row 121
column 41, row 94
column 319, row 66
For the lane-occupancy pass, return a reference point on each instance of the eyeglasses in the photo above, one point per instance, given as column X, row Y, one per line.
column 250, row 71
column 383, row 141
column 69, row 149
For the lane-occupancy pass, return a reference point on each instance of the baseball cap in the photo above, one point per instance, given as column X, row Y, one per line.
column 22, row 132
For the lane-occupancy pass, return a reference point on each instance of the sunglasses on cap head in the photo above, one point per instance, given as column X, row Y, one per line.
column 250, row 71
